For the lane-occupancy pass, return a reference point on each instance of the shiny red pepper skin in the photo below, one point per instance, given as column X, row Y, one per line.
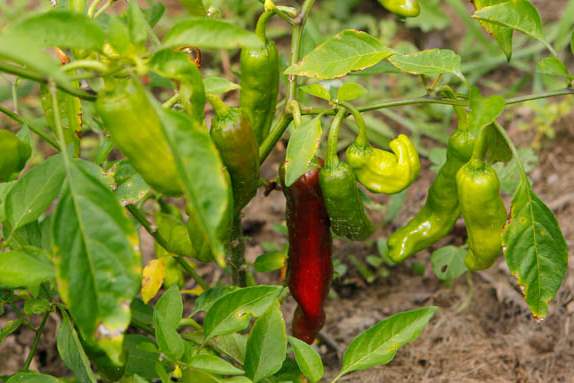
column 310, row 247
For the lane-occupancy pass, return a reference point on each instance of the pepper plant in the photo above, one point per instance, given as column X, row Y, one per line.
column 124, row 143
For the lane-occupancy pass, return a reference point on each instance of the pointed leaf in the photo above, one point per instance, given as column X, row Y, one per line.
column 431, row 62
column 316, row 90
column 348, row 51
column 71, row 351
column 519, row 15
column 32, row 377
column 267, row 345
column 214, row 364
column 448, row 263
column 484, row 110
column 502, row 35
column 61, row 28
column 219, row 85
column 34, row 192
column 535, row 249
column 303, row 146
column 153, row 274
column 167, row 314
column 20, row 269
column 232, row 312
column 308, row 360
column 379, row 344
column 97, row 263
column 210, row 33
column 351, row 91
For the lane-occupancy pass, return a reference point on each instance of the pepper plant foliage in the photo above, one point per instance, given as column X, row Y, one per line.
column 70, row 220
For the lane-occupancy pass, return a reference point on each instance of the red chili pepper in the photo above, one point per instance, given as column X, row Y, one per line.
column 310, row 247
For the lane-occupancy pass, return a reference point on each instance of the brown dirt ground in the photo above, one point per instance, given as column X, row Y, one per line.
column 492, row 339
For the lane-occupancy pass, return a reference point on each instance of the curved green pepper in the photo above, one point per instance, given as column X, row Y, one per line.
column 385, row 172
column 483, row 212
column 403, row 8
column 129, row 115
column 259, row 83
column 14, row 154
column 441, row 210
column 238, row 148
column 340, row 192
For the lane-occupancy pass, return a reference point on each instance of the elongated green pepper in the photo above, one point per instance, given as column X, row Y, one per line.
column 238, row 148
column 482, row 208
column 259, row 83
column 441, row 210
column 129, row 115
column 13, row 154
column 340, row 192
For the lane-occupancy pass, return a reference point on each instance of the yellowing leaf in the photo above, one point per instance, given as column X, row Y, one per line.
column 153, row 274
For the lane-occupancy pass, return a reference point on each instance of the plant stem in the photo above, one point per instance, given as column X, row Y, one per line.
column 140, row 217
column 30, row 75
column 170, row 102
column 362, row 139
column 332, row 157
column 36, row 341
column 23, row 121
column 274, row 135
column 86, row 64
column 296, row 37
column 438, row 100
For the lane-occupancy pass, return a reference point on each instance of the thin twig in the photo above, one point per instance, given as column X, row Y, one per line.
column 36, row 341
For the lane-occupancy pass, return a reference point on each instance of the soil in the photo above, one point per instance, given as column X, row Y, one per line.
column 483, row 331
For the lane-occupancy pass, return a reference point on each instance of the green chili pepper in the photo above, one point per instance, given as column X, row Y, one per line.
column 378, row 170
column 441, row 210
column 238, row 148
column 482, row 208
column 403, row 8
column 259, row 83
column 129, row 115
column 14, row 153
column 340, row 192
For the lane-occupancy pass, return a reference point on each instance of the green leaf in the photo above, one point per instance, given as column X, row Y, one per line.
column 61, row 28
column 431, row 62
column 141, row 356
column 448, row 263
column 509, row 174
column 72, row 352
column 268, row 262
column 192, row 375
column 137, row 23
column 219, row 85
column 209, row 297
column 232, row 345
column 502, row 35
column 5, row 188
column 34, row 192
column 167, row 314
column 535, row 249
column 20, row 269
column 350, row 91
column 23, row 50
column 572, row 44
column 301, row 150
column 232, row 312
column 206, row 184
column 131, row 188
column 554, row 73
column 497, row 149
column 317, row 90
column 484, row 110
column 308, row 360
column 32, row 377
column 9, row 328
column 348, row 51
column 519, row 15
column 267, row 345
column 214, row 364
column 95, row 253
column 208, row 33
column 379, row 344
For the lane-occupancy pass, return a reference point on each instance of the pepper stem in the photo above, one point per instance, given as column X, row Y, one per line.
column 481, row 144
column 362, row 139
column 333, row 140
column 221, row 108
column 261, row 27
